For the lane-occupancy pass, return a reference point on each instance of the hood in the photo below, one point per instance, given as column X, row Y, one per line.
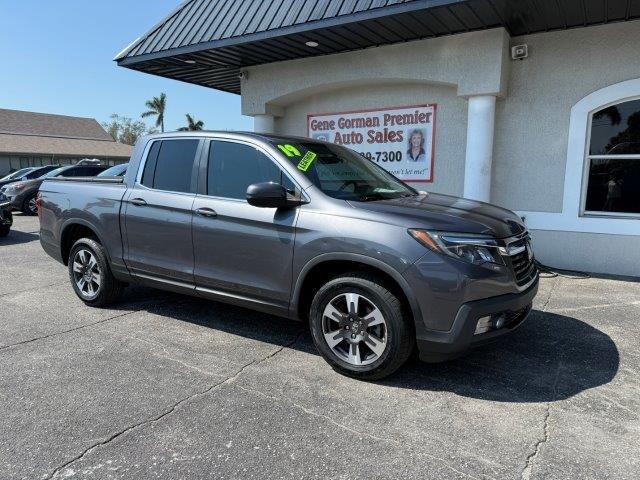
column 449, row 214
column 29, row 183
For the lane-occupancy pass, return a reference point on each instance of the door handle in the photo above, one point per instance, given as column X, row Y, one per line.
column 206, row 212
column 139, row 202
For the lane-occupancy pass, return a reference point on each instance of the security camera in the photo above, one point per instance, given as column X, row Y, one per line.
column 243, row 75
column 519, row 52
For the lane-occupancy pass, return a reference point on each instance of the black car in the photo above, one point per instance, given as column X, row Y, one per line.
column 6, row 218
column 115, row 171
column 28, row 173
column 22, row 195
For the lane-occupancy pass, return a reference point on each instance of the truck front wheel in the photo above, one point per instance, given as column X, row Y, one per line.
column 359, row 327
column 90, row 274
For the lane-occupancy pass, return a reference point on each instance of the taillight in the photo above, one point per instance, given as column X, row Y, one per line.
column 38, row 202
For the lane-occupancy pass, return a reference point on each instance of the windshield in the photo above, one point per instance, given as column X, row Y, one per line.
column 342, row 173
column 115, row 171
column 17, row 174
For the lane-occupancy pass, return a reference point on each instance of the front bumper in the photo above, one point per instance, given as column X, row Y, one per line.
column 436, row 346
column 6, row 218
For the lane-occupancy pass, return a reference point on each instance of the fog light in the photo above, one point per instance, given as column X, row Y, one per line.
column 488, row 324
column 483, row 326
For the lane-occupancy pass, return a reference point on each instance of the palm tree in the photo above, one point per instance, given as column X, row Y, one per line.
column 192, row 125
column 156, row 107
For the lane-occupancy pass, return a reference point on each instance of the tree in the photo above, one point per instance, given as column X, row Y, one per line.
column 192, row 125
column 156, row 106
column 126, row 130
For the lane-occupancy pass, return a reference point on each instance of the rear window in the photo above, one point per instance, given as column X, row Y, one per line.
column 170, row 165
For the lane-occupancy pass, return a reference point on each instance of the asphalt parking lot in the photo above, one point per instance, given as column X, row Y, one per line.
column 175, row 387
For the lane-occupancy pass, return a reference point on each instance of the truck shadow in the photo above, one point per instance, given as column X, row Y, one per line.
column 550, row 357
column 16, row 237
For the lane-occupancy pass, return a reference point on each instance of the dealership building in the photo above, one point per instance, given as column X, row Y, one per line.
column 533, row 105
column 30, row 139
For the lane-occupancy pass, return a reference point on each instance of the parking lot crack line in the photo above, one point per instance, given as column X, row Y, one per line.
column 75, row 329
column 349, row 429
column 602, row 305
column 528, row 469
column 167, row 356
column 531, row 458
column 58, row 470
column 18, row 292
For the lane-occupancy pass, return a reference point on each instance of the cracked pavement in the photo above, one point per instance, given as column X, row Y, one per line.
column 168, row 386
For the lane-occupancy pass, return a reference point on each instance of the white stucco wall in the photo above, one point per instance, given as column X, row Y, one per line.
column 474, row 63
column 532, row 123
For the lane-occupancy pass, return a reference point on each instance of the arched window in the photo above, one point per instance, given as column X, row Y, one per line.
column 612, row 171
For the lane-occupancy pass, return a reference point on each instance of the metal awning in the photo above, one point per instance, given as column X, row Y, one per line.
column 207, row 42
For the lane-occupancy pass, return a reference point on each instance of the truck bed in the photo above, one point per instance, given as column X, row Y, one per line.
column 87, row 179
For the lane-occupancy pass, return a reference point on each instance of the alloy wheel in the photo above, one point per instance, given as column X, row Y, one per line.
column 355, row 329
column 86, row 273
column 33, row 205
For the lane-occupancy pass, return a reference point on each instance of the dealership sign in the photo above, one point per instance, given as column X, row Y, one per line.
column 398, row 139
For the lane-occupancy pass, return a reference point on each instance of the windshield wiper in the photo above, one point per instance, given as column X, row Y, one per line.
column 367, row 197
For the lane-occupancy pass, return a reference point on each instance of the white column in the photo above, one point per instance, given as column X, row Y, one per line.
column 477, row 167
column 263, row 124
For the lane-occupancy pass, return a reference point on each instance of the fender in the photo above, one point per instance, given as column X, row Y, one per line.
column 80, row 221
column 355, row 257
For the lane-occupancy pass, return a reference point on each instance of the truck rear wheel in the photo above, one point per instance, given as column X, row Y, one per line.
column 90, row 274
column 359, row 327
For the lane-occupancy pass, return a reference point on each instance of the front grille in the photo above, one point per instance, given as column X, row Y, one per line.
column 514, row 318
column 522, row 263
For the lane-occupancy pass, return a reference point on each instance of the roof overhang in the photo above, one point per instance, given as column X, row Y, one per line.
column 208, row 42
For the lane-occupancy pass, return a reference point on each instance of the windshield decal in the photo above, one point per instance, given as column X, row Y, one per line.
column 306, row 161
column 289, row 150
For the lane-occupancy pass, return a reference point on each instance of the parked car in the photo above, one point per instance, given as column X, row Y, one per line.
column 6, row 218
column 299, row 228
column 26, row 174
column 115, row 171
column 22, row 195
column 14, row 176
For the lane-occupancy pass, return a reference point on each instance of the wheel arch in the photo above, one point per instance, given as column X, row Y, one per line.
column 74, row 229
column 326, row 265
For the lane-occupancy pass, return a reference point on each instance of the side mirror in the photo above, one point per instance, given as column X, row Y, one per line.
column 267, row 195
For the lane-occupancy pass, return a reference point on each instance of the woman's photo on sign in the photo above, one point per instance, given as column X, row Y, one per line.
column 415, row 147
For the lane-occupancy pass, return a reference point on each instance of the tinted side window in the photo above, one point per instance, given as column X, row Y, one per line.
column 84, row 172
column 172, row 168
column 71, row 172
column 235, row 166
column 36, row 174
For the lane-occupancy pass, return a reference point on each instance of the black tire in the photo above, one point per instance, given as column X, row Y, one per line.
column 4, row 231
column 400, row 336
column 27, row 205
column 108, row 289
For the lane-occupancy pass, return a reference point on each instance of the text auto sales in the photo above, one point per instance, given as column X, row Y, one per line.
column 387, row 135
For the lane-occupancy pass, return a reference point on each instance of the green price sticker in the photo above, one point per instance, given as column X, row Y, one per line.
column 289, row 150
column 306, row 161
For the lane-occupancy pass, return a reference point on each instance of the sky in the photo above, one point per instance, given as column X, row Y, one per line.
column 57, row 57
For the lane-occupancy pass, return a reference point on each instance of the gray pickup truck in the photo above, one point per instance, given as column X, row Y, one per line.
column 303, row 229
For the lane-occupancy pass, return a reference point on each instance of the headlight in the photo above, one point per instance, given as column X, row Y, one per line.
column 475, row 249
column 15, row 187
